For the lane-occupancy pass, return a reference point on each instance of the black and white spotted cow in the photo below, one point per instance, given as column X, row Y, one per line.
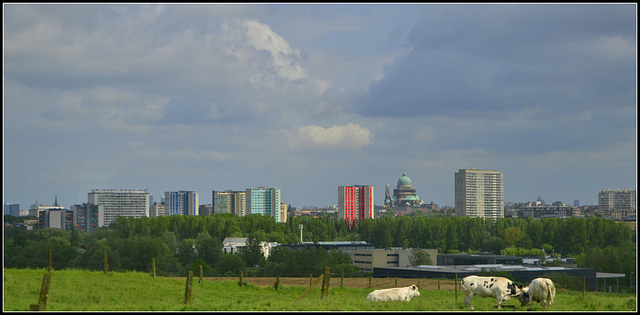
column 502, row 289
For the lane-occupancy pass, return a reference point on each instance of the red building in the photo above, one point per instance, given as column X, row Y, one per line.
column 355, row 203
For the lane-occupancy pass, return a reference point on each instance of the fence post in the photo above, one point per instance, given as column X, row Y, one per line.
column 455, row 286
column 187, row 291
column 50, row 262
column 153, row 267
column 310, row 278
column 106, row 263
column 200, row 281
column 341, row 279
column 584, row 284
column 369, row 281
column 395, row 283
column 240, row 277
column 325, row 282
column 438, row 284
column 277, row 284
column 44, row 293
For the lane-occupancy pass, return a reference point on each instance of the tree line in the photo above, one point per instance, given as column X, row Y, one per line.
column 182, row 243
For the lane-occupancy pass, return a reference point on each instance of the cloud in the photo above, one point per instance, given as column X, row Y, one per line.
column 313, row 137
column 505, row 58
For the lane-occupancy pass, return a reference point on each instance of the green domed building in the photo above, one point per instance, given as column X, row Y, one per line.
column 404, row 195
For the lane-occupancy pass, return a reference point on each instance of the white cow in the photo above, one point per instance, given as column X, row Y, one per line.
column 541, row 290
column 502, row 289
column 394, row 294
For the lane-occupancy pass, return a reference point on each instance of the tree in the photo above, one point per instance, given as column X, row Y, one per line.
column 208, row 248
column 252, row 252
column 419, row 257
column 230, row 264
column 512, row 235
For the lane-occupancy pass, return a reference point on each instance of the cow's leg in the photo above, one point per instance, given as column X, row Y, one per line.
column 467, row 302
column 499, row 300
column 531, row 301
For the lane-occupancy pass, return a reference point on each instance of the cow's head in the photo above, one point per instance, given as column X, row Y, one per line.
column 513, row 289
column 523, row 296
column 414, row 290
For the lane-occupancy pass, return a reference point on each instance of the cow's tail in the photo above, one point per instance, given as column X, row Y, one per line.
column 551, row 292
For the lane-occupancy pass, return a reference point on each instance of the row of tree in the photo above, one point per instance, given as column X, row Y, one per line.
column 181, row 243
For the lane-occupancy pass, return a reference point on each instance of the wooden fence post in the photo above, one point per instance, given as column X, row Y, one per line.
column 200, row 281
column 310, row 279
column 153, row 267
column 455, row 286
column 277, row 284
column 438, row 284
column 187, row 291
column 369, row 282
column 395, row 283
column 584, row 281
column 44, row 293
column 325, row 283
column 240, row 278
column 50, row 262
column 341, row 279
column 106, row 263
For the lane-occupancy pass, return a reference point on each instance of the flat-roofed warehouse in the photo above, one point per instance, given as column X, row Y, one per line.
column 523, row 274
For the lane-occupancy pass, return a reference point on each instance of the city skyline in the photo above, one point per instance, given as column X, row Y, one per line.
column 310, row 97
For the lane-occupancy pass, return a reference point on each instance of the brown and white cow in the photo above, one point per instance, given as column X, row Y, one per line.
column 394, row 294
column 541, row 290
column 500, row 288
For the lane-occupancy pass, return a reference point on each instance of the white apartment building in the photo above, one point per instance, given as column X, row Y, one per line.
column 479, row 193
column 121, row 202
column 617, row 202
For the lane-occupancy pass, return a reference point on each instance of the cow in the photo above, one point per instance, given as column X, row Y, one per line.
column 502, row 289
column 394, row 294
column 541, row 290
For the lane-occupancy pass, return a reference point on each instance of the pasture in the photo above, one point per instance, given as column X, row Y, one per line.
column 81, row 290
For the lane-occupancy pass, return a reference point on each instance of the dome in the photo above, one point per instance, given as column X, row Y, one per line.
column 404, row 180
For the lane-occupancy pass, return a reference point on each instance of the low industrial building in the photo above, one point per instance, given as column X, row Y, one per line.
column 519, row 273
column 466, row 259
column 367, row 259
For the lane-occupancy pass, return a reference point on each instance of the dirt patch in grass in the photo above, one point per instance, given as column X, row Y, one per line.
column 376, row 283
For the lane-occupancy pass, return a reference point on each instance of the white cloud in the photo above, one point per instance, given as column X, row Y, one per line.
column 283, row 58
column 319, row 138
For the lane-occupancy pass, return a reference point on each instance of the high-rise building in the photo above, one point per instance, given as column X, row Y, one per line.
column 56, row 218
column 181, row 203
column 205, row 210
column 88, row 217
column 479, row 193
column 156, row 210
column 229, row 201
column 12, row 209
column 355, row 203
column 617, row 202
column 264, row 201
column 121, row 202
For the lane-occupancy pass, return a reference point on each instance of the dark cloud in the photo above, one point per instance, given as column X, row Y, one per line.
column 487, row 58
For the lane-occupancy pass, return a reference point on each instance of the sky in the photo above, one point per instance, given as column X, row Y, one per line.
column 309, row 97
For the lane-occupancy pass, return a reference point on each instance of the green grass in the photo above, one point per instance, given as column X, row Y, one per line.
column 80, row 290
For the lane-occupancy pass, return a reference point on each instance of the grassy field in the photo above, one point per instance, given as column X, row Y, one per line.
column 79, row 290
